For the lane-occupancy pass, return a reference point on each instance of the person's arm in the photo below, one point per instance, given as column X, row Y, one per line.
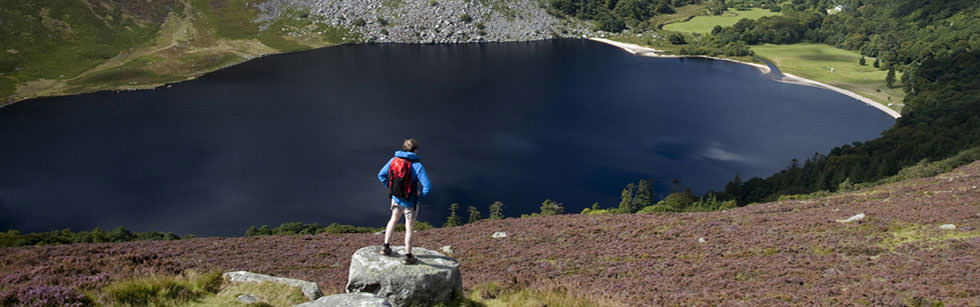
column 383, row 174
column 423, row 179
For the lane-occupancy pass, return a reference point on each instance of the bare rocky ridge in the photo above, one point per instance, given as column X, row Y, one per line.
column 782, row 253
column 417, row 21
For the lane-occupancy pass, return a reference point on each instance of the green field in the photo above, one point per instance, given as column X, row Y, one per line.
column 656, row 38
column 836, row 67
column 704, row 24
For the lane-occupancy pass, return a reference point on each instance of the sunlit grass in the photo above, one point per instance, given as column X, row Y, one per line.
column 704, row 24
column 931, row 235
column 194, row 289
column 268, row 293
column 834, row 66
column 159, row 290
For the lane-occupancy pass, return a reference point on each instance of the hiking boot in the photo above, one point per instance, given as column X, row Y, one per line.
column 386, row 250
column 410, row 259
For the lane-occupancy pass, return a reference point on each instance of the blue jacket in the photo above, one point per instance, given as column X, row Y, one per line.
column 418, row 171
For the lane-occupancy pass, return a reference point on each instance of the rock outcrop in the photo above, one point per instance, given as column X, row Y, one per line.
column 434, row 21
column 434, row 279
column 310, row 289
column 360, row 299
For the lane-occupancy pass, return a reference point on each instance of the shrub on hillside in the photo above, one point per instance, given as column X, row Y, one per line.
column 13, row 238
column 341, row 228
column 550, row 207
column 677, row 39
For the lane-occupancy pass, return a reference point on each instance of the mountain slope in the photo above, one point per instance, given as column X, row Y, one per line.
column 62, row 47
column 789, row 252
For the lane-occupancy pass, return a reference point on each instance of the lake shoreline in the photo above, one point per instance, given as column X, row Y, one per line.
column 787, row 77
column 628, row 47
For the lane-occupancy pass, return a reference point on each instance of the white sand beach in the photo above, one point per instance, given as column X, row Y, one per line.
column 788, row 78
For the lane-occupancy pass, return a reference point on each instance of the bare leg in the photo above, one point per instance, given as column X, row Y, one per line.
column 395, row 215
column 409, row 225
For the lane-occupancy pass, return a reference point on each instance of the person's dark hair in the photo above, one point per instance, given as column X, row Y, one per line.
column 410, row 145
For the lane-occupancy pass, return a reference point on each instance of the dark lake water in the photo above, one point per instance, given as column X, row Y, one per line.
column 300, row 137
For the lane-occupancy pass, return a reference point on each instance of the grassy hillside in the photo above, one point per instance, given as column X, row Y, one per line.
column 57, row 47
column 787, row 252
column 837, row 67
column 704, row 24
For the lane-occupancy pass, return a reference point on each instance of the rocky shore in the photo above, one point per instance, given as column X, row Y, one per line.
column 434, row 21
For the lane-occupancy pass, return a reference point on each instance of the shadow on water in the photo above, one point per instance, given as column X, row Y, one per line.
column 299, row 137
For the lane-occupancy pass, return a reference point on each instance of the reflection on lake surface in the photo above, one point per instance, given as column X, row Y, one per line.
column 300, row 137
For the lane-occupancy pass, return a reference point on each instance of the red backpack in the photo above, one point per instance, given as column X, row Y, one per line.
column 400, row 180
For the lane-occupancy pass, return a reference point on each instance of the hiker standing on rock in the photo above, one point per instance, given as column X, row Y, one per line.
column 403, row 175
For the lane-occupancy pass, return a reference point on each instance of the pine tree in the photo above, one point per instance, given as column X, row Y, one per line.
column 906, row 84
column 890, row 78
column 626, row 199
column 264, row 230
column 846, row 185
column 496, row 210
column 877, row 63
column 734, row 187
column 644, row 196
column 98, row 236
column 474, row 215
column 862, row 61
column 453, row 219
column 550, row 207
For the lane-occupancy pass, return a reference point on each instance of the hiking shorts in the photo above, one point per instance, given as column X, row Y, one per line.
column 410, row 213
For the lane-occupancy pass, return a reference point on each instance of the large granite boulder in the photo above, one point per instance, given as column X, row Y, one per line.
column 310, row 289
column 433, row 280
column 360, row 299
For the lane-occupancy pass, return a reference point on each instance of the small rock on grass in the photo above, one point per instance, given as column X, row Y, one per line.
column 858, row 217
column 310, row 289
column 499, row 234
column 247, row 298
column 947, row 227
